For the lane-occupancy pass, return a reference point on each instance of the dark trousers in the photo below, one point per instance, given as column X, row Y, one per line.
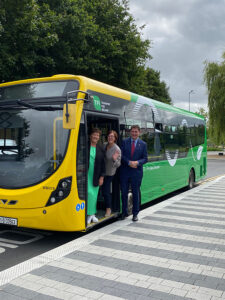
column 135, row 183
column 106, row 191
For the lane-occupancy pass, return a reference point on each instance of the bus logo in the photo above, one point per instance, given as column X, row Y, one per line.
column 199, row 152
column 172, row 161
column 97, row 102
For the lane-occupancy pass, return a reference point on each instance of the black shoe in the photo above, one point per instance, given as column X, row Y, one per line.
column 123, row 216
column 135, row 218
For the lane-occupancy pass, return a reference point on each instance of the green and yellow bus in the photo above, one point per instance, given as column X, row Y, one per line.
column 44, row 130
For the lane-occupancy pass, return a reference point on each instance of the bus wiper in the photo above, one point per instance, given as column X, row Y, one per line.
column 40, row 108
column 5, row 149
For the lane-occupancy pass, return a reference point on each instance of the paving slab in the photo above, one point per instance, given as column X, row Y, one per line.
column 175, row 251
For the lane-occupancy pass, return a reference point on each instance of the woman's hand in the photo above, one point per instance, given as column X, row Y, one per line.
column 116, row 155
column 100, row 181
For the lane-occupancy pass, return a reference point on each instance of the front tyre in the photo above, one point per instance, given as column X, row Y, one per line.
column 191, row 180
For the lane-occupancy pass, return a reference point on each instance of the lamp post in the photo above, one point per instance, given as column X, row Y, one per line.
column 189, row 98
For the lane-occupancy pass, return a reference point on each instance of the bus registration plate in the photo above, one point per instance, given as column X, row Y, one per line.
column 8, row 221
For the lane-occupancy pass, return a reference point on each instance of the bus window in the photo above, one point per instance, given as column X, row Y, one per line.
column 36, row 152
column 38, row 90
column 171, row 142
column 11, row 135
column 137, row 115
column 182, row 141
column 155, row 147
column 197, row 134
column 59, row 141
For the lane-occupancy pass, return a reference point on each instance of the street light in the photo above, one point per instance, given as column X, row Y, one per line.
column 189, row 93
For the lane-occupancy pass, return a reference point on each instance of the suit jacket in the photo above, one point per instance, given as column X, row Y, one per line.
column 99, row 168
column 140, row 154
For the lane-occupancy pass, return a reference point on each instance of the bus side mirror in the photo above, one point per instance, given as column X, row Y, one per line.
column 69, row 116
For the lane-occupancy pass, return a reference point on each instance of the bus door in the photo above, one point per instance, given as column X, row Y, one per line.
column 104, row 122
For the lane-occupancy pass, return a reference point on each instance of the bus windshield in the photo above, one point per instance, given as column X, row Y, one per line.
column 38, row 90
column 32, row 146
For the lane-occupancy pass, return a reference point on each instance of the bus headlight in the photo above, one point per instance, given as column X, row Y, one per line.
column 52, row 200
column 61, row 192
column 64, row 184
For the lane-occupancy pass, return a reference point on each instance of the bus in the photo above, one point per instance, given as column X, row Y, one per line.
column 44, row 135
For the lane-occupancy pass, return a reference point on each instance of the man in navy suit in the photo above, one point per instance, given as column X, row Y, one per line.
column 134, row 155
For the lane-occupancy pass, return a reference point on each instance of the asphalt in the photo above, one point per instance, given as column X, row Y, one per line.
column 216, row 154
column 175, row 251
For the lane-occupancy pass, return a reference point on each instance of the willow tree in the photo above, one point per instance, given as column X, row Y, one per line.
column 214, row 78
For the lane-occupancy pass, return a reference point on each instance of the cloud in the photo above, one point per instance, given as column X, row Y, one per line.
column 184, row 35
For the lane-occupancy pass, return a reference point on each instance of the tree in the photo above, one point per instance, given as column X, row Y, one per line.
column 201, row 111
column 214, row 77
column 97, row 39
column 155, row 88
column 26, row 32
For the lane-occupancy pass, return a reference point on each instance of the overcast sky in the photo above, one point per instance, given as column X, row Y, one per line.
column 184, row 34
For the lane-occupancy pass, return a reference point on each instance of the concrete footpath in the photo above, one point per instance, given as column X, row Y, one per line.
column 175, row 251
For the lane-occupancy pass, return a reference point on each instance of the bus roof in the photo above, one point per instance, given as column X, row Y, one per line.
column 91, row 84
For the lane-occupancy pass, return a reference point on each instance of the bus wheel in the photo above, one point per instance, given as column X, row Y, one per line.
column 191, row 180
